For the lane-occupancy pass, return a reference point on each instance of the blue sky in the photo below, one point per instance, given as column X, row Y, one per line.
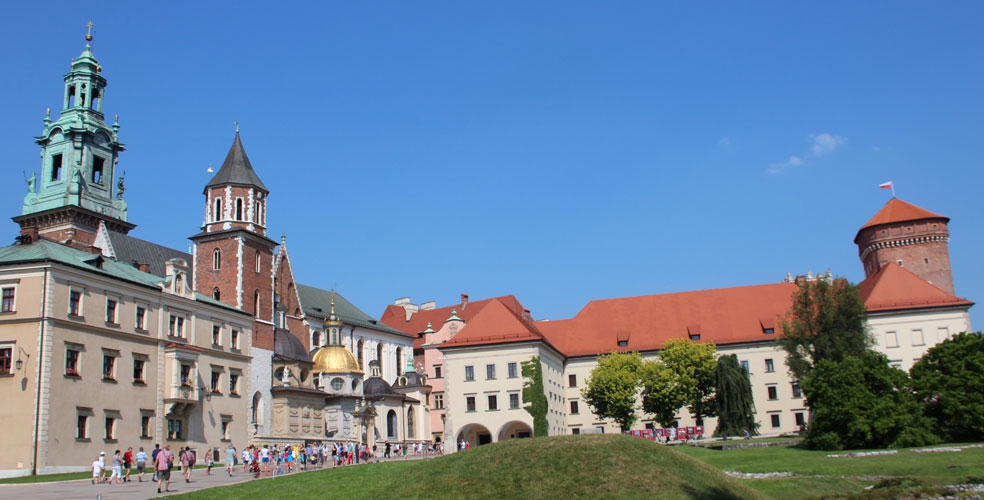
column 557, row 151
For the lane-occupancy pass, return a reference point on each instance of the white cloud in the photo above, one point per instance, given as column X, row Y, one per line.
column 793, row 161
column 825, row 143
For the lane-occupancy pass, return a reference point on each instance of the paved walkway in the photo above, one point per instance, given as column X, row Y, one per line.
column 84, row 490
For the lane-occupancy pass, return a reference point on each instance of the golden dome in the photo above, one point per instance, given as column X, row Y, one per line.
column 335, row 359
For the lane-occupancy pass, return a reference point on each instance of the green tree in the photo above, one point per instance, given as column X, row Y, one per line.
column 949, row 380
column 614, row 386
column 533, row 395
column 862, row 402
column 733, row 395
column 682, row 375
column 827, row 321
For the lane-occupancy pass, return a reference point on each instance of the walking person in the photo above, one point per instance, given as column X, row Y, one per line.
column 117, row 475
column 162, row 467
column 187, row 461
column 97, row 468
column 127, row 464
column 141, row 464
column 230, row 459
column 208, row 462
column 153, row 460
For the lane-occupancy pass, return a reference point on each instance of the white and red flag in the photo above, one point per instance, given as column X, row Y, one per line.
column 886, row 185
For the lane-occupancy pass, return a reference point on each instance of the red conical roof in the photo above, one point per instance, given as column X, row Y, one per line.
column 897, row 210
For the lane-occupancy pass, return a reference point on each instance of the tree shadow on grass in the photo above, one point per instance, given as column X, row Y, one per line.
column 711, row 493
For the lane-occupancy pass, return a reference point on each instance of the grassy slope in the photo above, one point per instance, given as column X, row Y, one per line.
column 842, row 475
column 563, row 467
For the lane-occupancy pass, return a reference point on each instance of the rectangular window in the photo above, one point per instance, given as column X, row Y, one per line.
column 493, row 402
column 489, row 372
column 575, row 409
column 895, row 363
column 514, row 401
column 175, row 326
column 97, row 169
column 8, row 300
column 145, row 426
column 575, row 431
column 469, row 373
column 56, row 166
column 174, row 428
column 234, row 339
column 744, row 364
column 572, row 380
column 6, row 359
column 769, row 366
column 186, row 375
column 438, row 400
column 75, row 303
column 437, row 371
column 917, row 337
column 891, row 339
column 225, row 429
column 234, row 383
column 72, row 362
column 513, row 370
column 470, row 403
column 623, row 343
column 216, row 380
column 82, row 427
column 773, row 392
column 942, row 333
column 797, row 392
column 141, row 318
column 138, row 371
column 800, row 419
column 109, row 367
column 217, row 335
column 775, row 420
column 110, row 428
column 111, row 311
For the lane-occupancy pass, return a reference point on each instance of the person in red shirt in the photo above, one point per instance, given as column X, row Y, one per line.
column 127, row 463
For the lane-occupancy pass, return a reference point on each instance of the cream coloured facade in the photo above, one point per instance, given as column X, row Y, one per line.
column 112, row 357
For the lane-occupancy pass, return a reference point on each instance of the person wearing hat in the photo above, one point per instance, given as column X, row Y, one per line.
column 97, row 468
column 102, row 467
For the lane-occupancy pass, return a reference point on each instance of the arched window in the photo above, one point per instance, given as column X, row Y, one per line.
column 391, row 425
column 256, row 304
column 217, row 214
column 216, row 259
column 315, row 339
column 215, row 293
column 379, row 357
column 257, row 261
column 411, row 434
column 258, row 212
column 399, row 356
column 359, row 353
column 239, row 209
column 257, row 413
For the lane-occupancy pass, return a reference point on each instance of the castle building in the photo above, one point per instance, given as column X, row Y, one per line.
column 908, row 293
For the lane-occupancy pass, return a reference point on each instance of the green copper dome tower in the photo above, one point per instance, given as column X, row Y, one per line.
column 75, row 190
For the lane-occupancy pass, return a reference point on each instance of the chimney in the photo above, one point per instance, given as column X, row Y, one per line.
column 428, row 306
column 526, row 314
column 464, row 301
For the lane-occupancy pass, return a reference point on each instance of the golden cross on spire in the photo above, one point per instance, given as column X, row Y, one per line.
column 88, row 36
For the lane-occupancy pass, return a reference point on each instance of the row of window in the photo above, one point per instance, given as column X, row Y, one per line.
column 112, row 419
column 98, row 166
column 492, row 401
column 773, row 391
column 917, row 337
column 238, row 214
column 513, row 369
column 110, row 369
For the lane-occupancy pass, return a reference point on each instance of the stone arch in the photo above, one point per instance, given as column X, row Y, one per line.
column 411, row 432
column 474, row 434
column 516, row 429
column 256, row 416
column 392, row 429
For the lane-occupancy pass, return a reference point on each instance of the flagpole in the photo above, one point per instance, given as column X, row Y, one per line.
column 893, row 189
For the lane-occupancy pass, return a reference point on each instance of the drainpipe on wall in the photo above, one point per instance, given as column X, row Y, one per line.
column 37, row 396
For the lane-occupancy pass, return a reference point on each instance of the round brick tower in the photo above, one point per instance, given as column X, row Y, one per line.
column 911, row 237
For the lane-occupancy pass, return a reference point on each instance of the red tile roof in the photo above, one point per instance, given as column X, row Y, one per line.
column 897, row 210
column 395, row 316
column 496, row 323
column 722, row 316
column 894, row 287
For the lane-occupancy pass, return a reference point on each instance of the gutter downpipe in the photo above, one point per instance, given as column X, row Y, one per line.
column 37, row 396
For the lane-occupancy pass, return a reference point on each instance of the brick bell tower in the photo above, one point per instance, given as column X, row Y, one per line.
column 911, row 237
column 233, row 256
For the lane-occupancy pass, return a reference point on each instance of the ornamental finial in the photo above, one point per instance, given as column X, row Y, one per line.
column 88, row 35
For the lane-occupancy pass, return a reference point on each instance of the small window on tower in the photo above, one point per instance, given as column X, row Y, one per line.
column 97, row 170
column 926, row 261
column 899, row 262
column 215, row 293
column 239, row 209
column 216, row 259
column 56, row 166
column 217, row 215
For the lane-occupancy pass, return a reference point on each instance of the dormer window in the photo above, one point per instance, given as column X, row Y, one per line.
column 769, row 331
column 623, row 343
column 695, row 337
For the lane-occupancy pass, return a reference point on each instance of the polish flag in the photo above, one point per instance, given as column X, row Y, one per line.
column 886, row 185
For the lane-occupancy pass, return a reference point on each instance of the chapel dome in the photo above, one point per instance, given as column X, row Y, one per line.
column 375, row 386
column 335, row 359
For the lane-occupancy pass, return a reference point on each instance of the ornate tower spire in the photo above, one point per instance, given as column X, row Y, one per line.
column 79, row 153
